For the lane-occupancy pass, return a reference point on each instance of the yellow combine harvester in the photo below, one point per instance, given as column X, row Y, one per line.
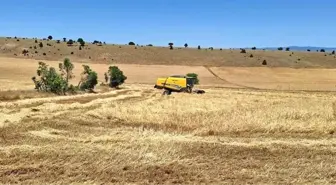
column 175, row 83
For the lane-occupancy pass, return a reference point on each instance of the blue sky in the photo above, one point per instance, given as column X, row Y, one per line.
column 216, row 23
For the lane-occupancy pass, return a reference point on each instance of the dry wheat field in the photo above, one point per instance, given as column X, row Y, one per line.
column 134, row 135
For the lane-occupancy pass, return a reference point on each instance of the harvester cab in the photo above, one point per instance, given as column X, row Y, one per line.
column 175, row 83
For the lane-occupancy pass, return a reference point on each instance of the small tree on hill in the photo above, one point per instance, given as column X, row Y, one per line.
column 81, row 41
column 131, row 43
column 194, row 75
column 171, row 45
column 50, row 37
column 89, row 79
column 185, row 45
column 70, row 42
column 117, row 76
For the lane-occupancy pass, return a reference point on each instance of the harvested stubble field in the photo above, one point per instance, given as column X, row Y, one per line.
column 135, row 135
column 234, row 133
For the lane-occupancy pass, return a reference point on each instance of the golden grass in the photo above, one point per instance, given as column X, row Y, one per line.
column 135, row 135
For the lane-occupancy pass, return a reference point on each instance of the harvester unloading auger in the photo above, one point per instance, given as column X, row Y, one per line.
column 177, row 83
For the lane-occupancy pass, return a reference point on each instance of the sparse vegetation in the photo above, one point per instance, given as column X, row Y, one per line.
column 242, row 51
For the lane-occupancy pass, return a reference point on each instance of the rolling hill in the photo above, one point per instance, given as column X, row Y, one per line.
column 135, row 54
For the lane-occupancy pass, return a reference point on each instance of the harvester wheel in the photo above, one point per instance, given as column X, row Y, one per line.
column 166, row 92
column 189, row 90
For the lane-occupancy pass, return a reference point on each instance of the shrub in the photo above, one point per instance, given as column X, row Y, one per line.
column 117, row 76
column 50, row 37
column 333, row 52
column 194, row 75
column 41, row 45
column 44, row 54
column 25, row 52
column 264, row 62
column 251, row 56
column 64, row 39
column 322, row 50
column 254, row 48
column 50, row 80
column 308, row 50
column 185, row 45
column 287, row 49
column 80, row 47
column 131, row 43
column 211, row 48
column 89, row 79
column 150, row 45
column 35, row 47
column 72, row 53
column 221, row 49
column 36, row 51
column 58, row 41
column 199, row 47
column 280, row 48
column 36, row 41
column 242, row 51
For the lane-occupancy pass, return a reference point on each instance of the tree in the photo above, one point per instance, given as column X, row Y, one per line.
column 70, row 42
column 280, row 48
column 64, row 39
column 50, row 37
column 81, row 41
column 254, row 48
column 117, row 76
column 106, row 77
column 287, row 49
column 131, row 43
column 194, row 75
column 66, row 68
column 308, row 50
column 185, row 45
column 171, row 45
column 89, row 79
column 199, row 47
column 333, row 52
column 242, row 51
column 322, row 50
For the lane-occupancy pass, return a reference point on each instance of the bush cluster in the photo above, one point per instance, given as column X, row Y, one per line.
column 58, row 83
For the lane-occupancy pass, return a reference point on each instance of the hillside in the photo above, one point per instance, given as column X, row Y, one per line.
column 125, row 54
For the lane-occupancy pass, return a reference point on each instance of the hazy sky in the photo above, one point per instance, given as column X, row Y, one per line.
column 217, row 23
